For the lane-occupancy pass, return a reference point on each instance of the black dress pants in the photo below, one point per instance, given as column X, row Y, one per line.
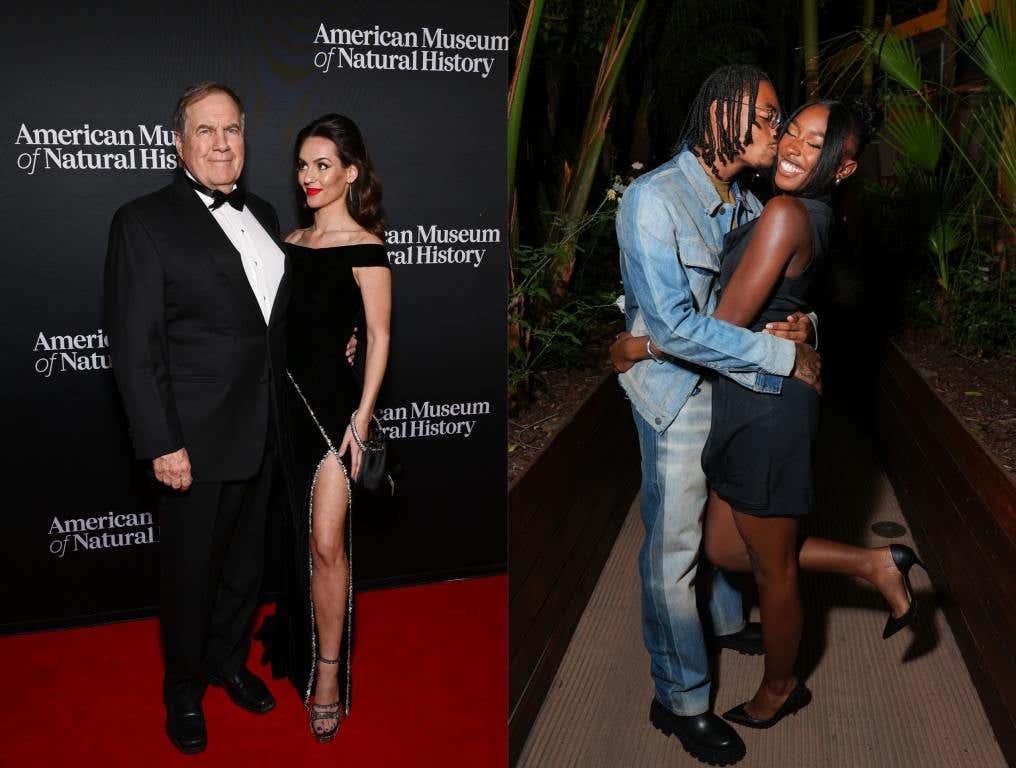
column 211, row 549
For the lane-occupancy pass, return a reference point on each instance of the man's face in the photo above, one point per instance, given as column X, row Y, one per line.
column 762, row 151
column 211, row 146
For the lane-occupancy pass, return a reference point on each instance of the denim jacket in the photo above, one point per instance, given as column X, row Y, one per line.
column 670, row 228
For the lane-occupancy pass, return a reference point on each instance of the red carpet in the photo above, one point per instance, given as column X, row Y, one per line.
column 429, row 689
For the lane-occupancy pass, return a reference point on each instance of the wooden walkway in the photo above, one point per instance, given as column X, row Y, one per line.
column 907, row 702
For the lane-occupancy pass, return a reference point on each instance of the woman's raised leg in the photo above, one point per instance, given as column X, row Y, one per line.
column 726, row 549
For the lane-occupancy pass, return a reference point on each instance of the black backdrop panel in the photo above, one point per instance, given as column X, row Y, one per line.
column 88, row 96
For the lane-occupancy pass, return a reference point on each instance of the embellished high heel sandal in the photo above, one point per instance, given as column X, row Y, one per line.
column 325, row 712
column 904, row 558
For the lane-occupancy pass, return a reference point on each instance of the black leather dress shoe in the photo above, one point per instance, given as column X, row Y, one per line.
column 185, row 726
column 246, row 690
column 705, row 737
column 747, row 641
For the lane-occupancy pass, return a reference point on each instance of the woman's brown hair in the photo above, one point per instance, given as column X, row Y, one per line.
column 364, row 201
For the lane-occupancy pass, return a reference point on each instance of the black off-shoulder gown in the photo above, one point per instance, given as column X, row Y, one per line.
column 324, row 306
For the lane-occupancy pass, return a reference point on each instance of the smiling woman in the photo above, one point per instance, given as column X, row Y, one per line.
column 341, row 280
column 819, row 144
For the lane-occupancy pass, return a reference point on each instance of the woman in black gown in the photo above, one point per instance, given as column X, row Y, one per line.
column 340, row 279
column 758, row 455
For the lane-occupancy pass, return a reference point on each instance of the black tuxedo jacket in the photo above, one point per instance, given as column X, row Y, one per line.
column 195, row 362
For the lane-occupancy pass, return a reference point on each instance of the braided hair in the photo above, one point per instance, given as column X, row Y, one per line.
column 732, row 87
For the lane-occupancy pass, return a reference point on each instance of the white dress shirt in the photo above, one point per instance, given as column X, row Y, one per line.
column 263, row 261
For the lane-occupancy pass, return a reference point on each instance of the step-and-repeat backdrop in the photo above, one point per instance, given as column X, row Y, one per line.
column 88, row 93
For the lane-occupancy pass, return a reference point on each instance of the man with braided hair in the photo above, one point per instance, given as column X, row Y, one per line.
column 670, row 228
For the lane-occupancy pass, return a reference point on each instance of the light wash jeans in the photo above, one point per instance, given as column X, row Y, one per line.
column 673, row 498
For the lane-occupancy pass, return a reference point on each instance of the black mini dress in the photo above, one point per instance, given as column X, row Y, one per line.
column 758, row 457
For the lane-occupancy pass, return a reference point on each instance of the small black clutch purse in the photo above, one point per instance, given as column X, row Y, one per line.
column 375, row 474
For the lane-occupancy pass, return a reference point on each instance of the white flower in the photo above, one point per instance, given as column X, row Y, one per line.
column 618, row 187
column 637, row 166
column 620, row 303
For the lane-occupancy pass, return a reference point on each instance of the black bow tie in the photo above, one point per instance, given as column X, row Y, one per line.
column 234, row 198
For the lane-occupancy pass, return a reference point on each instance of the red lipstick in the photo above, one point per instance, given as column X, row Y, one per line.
column 311, row 191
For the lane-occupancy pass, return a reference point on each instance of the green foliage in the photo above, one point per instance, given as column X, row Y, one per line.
column 991, row 43
column 995, row 122
column 948, row 234
column 517, row 90
column 562, row 329
column 550, row 319
column 955, row 174
column 579, row 181
column 912, row 130
column 896, row 57
column 982, row 306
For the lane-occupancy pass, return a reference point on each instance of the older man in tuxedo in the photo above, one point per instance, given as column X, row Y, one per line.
column 195, row 290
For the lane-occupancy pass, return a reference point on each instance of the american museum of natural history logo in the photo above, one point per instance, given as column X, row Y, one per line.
column 112, row 530
column 431, row 419
column 71, row 353
column 428, row 49
column 87, row 147
column 433, row 245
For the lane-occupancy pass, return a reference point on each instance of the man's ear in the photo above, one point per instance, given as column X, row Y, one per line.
column 178, row 143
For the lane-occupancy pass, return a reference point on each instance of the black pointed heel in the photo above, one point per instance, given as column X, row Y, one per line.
column 798, row 699
column 904, row 558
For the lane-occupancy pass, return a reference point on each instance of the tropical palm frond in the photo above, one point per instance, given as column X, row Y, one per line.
column 990, row 40
column 896, row 57
column 996, row 122
column 914, row 132
column 948, row 235
column 841, row 64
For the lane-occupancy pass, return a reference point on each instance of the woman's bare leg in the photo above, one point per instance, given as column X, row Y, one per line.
column 772, row 548
column 330, row 584
column 726, row 549
column 722, row 541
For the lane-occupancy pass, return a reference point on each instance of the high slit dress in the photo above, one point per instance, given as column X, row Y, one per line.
column 325, row 305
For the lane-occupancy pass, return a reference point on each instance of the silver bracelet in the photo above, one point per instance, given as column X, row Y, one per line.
column 649, row 350
column 359, row 441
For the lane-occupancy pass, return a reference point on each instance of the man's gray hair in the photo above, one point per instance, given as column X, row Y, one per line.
column 196, row 92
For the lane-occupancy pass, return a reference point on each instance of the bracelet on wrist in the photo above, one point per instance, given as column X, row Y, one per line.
column 649, row 349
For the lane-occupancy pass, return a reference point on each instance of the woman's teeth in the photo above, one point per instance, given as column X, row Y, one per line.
column 789, row 168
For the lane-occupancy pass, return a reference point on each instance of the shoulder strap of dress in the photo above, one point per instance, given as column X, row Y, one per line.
column 368, row 255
